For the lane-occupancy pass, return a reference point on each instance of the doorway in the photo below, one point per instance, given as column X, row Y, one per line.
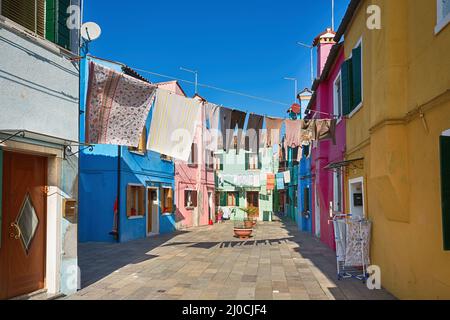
column 24, row 209
column 210, row 207
column 253, row 202
column 316, row 212
column 356, row 201
column 152, row 211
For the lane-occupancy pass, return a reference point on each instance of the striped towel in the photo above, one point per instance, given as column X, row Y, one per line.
column 173, row 124
column 117, row 107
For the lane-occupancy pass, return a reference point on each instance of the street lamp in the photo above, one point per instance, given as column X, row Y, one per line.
column 311, row 49
column 196, row 77
column 295, row 87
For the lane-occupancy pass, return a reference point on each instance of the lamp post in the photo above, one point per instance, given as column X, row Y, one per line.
column 311, row 53
column 196, row 77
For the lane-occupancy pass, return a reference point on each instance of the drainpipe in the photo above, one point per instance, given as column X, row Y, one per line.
column 119, row 155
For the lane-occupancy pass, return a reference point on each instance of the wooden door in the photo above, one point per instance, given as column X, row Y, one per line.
column 152, row 216
column 253, row 201
column 23, row 244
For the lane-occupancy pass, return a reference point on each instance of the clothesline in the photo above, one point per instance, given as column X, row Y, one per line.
column 191, row 82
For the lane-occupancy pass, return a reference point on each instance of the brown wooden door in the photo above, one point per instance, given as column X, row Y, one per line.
column 22, row 251
column 253, row 201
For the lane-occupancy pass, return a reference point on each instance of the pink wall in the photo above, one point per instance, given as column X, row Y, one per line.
column 194, row 177
column 188, row 177
column 327, row 153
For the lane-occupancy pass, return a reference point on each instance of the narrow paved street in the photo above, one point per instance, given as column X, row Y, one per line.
column 209, row 263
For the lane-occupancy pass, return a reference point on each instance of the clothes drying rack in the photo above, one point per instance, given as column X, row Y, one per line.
column 356, row 271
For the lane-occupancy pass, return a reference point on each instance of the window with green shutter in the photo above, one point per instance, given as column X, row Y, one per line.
column 56, row 29
column 347, row 87
column 357, row 76
column 223, row 199
column 445, row 189
column 28, row 14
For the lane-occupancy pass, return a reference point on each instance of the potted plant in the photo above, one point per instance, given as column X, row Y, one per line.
column 241, row 231
column 252, row 214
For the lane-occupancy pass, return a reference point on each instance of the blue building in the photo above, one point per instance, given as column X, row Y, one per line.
column 304, row 190
column 136, row 183
column 304, row 198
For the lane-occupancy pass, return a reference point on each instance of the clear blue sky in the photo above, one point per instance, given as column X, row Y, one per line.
column 247, row 45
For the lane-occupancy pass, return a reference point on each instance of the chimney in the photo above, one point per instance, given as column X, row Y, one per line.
column 324, row 43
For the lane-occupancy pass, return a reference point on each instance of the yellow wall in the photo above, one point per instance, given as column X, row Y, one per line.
column 405, row 66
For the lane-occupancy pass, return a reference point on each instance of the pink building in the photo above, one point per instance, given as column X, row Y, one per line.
column 327, row 183
column 194, row 180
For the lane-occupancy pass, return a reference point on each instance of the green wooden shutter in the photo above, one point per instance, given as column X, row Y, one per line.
column 347, row 87
column 56, row 22
column 223, row 199
column 357, row 77
column 237, row 198
column 445, row 189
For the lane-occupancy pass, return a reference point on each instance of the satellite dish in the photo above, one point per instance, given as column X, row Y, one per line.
column 90, row 31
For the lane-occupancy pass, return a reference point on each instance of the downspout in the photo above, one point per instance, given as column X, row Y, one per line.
column 119, row 156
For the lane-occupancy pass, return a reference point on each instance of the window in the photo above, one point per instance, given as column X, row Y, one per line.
column 337, row 191
column 306, row 197
column 166, row 158
column 45, row 18
column 192, row 161
column 142, row 147
column 167, row 201
column 351, row 82
column 337, row 97
column 190, row 198
column 218, row 162
column 251, row 161
column 445, row 187
column 135, row 200
column 233, row 199
column 443, row 15
column 210, row 160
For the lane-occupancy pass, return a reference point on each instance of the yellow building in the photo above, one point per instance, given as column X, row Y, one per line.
column 399, row 125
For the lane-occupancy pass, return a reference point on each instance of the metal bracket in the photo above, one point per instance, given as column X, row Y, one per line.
column 68, row 149
column 18, row 133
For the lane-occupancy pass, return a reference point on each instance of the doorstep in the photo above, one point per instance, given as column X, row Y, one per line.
column 39, row 295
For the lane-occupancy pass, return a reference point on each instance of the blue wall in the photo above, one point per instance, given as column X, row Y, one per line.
column 99, row 179
column 304, row 181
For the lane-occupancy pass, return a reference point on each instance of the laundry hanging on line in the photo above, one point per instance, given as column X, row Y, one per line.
column 287, row 176
column 225, row 125
column 117, row 107
column 212, row 113
column 237, row 119
column 270, row 184
column 273, row 126
column 173, row 125
column 280, row 181
column 254, row 127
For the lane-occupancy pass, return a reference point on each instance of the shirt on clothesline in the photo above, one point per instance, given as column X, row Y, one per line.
column 212, row 113
column 237, row 119
column 273, row 126
column 117, row 107
column 225, row 125
column 173, row 125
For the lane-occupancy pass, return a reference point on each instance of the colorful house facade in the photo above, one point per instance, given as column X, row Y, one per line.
column 398, row 109
column 327, row 157
column 304, row 212
column 39, row 85
column 194, row 181
column 136, row 183
column 241, row 182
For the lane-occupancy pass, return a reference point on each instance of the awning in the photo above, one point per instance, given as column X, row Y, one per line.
column 10, row 134
column 346, row 163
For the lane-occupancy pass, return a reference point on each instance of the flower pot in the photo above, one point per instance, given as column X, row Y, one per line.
column 243, row 233
column 248, row 224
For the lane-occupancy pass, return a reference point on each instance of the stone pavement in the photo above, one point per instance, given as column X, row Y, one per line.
column 208, row 263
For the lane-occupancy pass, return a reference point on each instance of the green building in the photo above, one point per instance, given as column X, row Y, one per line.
column 241, row 181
